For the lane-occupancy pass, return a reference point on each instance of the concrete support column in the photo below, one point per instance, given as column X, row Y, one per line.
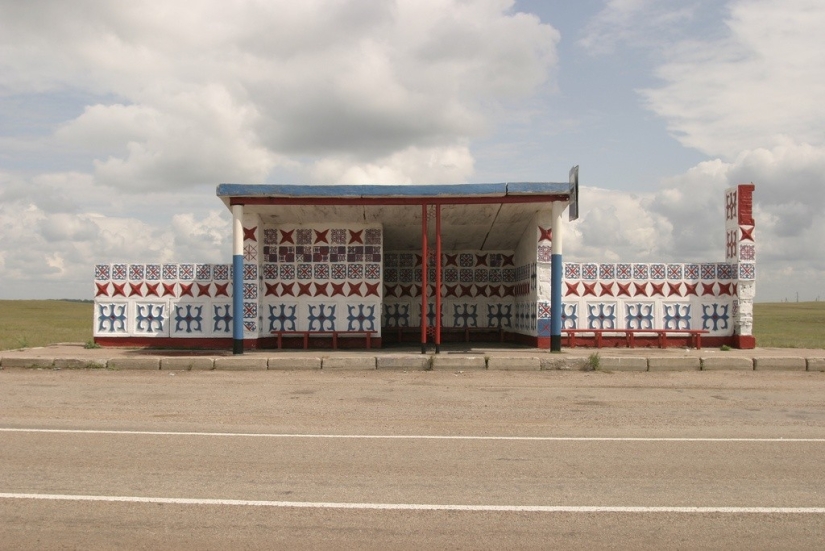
column 556, row 276
column 237, row 279
column 424, row 254
column 438, row 278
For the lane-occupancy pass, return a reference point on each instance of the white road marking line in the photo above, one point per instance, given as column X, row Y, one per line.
column 412, row 436
column 419, row 506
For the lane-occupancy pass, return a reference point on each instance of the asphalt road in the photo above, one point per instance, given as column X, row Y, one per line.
column 392, row 460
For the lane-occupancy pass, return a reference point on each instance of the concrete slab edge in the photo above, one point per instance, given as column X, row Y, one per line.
column 815, row 364
column 348, row 363
column 459, row 363
column 717, row 363
column 784, row 363
column 289, row 363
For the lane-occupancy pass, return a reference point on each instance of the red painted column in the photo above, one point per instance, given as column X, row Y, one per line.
column 438, row 278
column 424, row 279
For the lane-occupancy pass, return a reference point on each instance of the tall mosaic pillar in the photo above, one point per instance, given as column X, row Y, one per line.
column 740, row 252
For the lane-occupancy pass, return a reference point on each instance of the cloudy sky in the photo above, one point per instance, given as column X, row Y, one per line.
column 118, row 119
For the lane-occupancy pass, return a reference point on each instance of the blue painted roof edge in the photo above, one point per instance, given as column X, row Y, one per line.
column 373, row 190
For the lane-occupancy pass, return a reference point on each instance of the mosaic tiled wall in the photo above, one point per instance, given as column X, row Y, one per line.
column 163, row 300
column 649, row 296
column 321, row 277
column 478, row 289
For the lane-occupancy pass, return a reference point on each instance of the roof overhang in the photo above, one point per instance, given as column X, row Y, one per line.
column 474, row 216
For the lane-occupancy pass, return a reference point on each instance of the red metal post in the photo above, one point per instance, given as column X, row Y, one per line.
column 424, row 279
column 437, row 278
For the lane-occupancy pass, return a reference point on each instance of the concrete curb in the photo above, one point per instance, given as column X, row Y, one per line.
column 555, row 362
column 135, row 363
column 287, row 363
column 685, row 363
column 409, row 362
column 718, row 363
column 28, row 362
column 241, row 364
column 80, row 363
column 514, row 363
column 187, row 363
column 348, row 362
column 816, row 364
column 623, row 363
column 459, row 362
column 780, row 364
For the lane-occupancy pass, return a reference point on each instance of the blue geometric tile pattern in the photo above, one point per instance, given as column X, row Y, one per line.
column 283, row 317
column 677, row 316
column 360, row 317
column 321, row 317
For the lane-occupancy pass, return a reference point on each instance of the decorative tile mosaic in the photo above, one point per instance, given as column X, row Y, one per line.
column 747, row 271
column 339, row 237
column 747, row 252
column 674, row 271
column 624, row 271
column 724, row 271
column 373, row 236
column 465, row 315
column 691, row 271
column 338, row 271
column 708, row 271
column 222, row 318
column 304, row 271
column 465, row 260
column 270, row 271
column 320, row 253
column 544, row 253
column 677, row 316
column 361, row 317
column 250, row 310
column 601, row 316
column 250, row 252
column 715, row 317
column 270, row 236
column 304, row 236
column 607, row 271
column 657, row 271
column 372, row 271
column 283, row 317
column 572, row 271
column 111, row 318
column 136, row 271
column 590, row 271
column 188, row 318
column 286, row 272
column 321, row 317
column 250, row 272
column 286, row 253
column 102, row 272
column 320, row 271
column 203, row 271
column 641, row 271
column 186, row 272
column 119, row 272
column 355, row 253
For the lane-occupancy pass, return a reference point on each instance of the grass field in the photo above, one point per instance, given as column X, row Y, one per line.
column 27, row 323
column 789, row 324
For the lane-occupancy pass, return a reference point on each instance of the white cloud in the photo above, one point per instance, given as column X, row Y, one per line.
column 759, row 86
column 231, row 92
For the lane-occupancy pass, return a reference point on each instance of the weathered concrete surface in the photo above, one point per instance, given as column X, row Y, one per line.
column 458, row 362
column 80, row 363
column 348, row 362
column 187, row 363
column 623, row 363
column 563, row 362
column 27, row 362
column 712, row 363
column 671, row 363
column 816, row 364
column 241, row 363
column 409, row 362
column 285, row 363
column 514, row 363
column 135, row 363
column 780, row 364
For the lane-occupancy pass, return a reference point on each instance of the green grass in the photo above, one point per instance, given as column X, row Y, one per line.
column 28, row 323
column 789, row 324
